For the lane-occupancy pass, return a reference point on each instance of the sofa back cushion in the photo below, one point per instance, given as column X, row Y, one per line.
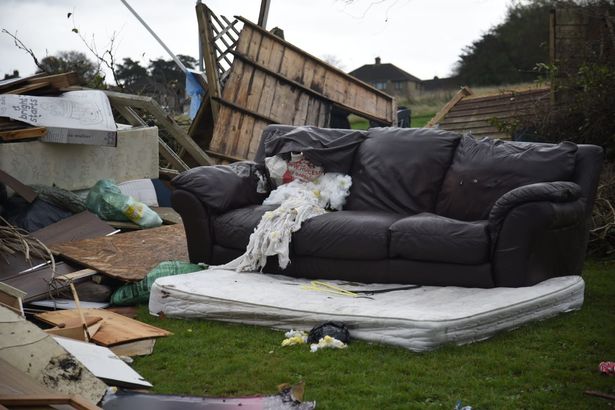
column 400, row 170
column 329, row 148
column 483, row 170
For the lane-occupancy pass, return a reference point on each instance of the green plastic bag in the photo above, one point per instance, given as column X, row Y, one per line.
column 107, row 201
column 138, row 292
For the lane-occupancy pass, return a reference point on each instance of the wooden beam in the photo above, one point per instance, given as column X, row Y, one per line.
column 22, row 400
column 28, row 88
column 164, row 120
column 464, row 92
column 21, row 189
column 224, row 156
column 247, row 111
column 133, row 118
column 171, row 156
column 130, row 115
column 203, row 15
column 23, row 133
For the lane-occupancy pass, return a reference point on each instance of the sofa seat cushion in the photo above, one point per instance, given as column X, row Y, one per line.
column 484, row 170
column 233, row 229
column 434, row 238
column 345, row 235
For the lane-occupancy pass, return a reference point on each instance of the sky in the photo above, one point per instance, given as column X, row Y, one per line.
column 422, row 37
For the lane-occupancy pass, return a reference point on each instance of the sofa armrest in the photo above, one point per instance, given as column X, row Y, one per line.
column 555, row 192
column 539, row 240
column 224, row 187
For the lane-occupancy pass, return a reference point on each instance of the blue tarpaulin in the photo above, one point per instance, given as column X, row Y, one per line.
column 194, row 91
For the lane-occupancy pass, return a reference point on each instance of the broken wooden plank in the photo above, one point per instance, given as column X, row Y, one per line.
column 22, row 190
column 39, row 283
column 203, row 15
column 464, row 92
column 116, row 328
column 42, row 83
column 84, row 225
column 23, row 133
column 20, row 400
column 128, row 256
column 12, row 298
column 164, row 120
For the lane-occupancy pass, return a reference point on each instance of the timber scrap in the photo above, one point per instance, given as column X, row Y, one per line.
column 255, row 78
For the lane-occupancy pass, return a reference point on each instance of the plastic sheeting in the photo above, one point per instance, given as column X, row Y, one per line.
column 419, row 319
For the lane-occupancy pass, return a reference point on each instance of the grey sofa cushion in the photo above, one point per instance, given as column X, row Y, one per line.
column 484, row 170
column 433, row 238
column 345, row 235
column 400, row 170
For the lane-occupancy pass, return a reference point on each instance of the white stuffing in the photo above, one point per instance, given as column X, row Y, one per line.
column 299, row 201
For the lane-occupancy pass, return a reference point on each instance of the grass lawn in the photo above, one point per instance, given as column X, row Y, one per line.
column 416, row 121
column 543, row 365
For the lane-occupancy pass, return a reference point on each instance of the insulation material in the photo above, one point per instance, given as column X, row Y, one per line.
column 419, row 319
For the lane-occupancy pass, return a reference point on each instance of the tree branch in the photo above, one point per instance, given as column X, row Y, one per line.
column 20, row 45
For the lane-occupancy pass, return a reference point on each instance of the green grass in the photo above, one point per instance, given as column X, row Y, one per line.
column 543, row 365
column 416, row 121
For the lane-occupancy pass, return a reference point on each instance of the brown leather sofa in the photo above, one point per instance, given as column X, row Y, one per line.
column 426, row 207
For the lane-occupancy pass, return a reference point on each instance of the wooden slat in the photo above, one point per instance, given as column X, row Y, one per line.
column 23, row 133
column 208, row 50
column 84, row 225
column 505, row 96
column 116, row 328
column 30, row 88
column 171, row 156
column 483, row 128
column 163, row 119
column 38, row 283
column 22, row 190
column 133, row 118
column 41, row 82
column 489, row 109
column 500, row 115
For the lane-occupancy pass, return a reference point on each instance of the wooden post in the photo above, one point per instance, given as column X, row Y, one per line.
column 264, row 13
column 203, row 15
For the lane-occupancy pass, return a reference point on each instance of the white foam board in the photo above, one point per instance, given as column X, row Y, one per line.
column 103, row 363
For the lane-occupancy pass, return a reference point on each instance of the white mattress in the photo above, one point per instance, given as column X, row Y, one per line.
column 418, row 319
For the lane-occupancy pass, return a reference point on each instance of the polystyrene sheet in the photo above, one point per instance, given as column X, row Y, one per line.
column 419, row 319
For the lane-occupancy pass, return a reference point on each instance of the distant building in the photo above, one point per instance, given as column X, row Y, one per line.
column 441, row 84
column 388, row 78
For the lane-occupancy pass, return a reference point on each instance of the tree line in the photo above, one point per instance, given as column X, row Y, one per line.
column 161, row 79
